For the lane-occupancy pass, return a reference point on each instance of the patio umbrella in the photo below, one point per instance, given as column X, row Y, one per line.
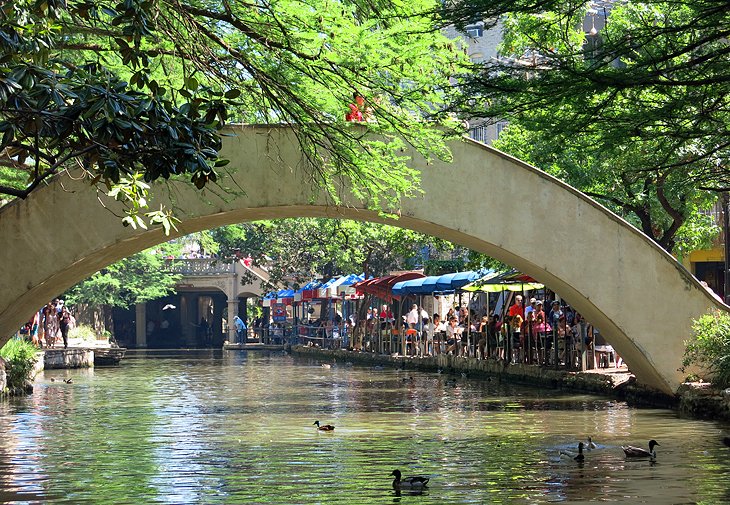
column 508, row 281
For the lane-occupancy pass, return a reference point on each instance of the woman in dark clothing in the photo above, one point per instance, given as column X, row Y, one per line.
column 64, row 321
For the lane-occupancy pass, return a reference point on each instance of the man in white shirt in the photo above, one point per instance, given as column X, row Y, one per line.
column 412, row 317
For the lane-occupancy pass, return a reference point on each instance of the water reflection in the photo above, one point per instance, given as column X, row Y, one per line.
column 202, row 427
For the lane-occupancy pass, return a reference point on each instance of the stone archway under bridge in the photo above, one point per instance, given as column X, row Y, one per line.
column 640, row 297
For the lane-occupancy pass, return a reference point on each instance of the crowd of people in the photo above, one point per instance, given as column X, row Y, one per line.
column 527, row 333
column 49, row 324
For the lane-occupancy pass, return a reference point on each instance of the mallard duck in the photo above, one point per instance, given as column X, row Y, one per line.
column 68, row 381
column 577, row 457
column 638, row 452
column 591, row 444
column 415, row 482
column 326, row 365
column 324, row 427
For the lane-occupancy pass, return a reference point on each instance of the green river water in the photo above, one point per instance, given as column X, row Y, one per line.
column 236, row 428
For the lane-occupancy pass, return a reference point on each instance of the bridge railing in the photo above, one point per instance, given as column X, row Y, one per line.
column 201, row 266
column 334, row 337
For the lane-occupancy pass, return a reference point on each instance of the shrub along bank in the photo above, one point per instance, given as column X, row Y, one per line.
column 18, row 366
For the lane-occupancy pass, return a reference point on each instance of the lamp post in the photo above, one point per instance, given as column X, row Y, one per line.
column 726, row 232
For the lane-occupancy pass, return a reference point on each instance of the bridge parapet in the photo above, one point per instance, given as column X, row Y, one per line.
column 639, row 296
column 201, row 266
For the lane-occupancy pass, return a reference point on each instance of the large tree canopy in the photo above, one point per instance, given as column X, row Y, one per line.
column 632, row 97
column 296, row 251
column 137, row 279
column 134, row 91
column 657, row 71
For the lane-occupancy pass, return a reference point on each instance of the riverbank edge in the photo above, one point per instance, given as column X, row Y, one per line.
column 47, row 359
column 692, row 400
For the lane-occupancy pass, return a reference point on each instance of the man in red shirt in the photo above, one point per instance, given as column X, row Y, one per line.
column 517, row 316
column 517, row 308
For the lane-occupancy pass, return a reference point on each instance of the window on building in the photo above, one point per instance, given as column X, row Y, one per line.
column 501, row 125
column 475, row 31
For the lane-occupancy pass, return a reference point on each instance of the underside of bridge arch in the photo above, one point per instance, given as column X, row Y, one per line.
column 640, row 297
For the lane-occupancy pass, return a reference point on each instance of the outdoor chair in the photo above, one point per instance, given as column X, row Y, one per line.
column 411, row 334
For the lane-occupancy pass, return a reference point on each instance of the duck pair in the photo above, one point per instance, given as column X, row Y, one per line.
column 629, row 450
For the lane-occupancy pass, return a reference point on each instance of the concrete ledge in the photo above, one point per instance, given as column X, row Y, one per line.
column 615, row 385
column 703, row 401
column 254, row 347
column 68, row 358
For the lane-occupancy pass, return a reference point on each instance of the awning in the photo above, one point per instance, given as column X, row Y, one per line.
column 382, row 287
column 309, row 291
column 361, row 287
column 346, row 288
column 269, row 298
column 404, row 288
column 285, row 296
column 508, row 281
column 450, row 282
column 298, row 294
column 324, row 290
column 422, row 286
column 429, row 284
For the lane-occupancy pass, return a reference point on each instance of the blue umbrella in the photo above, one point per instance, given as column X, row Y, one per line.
column 352, row 279
column 443, row 283
column 309, row 285
column 328, row 283
column 429, row 284
column 409, row 287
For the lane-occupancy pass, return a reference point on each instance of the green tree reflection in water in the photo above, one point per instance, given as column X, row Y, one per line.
column 196, row 427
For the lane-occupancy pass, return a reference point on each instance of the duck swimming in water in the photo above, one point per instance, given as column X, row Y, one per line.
column 415, row 482
column 638, row 452
column 591, row 444
column 324, row 427
column 576, row 457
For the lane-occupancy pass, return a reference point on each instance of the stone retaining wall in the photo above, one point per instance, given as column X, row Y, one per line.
column 525, row 374
column 68, row 358
column 694, row 400
column 701, row 400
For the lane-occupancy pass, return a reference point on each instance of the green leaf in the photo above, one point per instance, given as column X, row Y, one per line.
column 232, row 94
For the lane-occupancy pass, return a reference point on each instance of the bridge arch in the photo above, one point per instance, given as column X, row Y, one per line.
column 638, row 295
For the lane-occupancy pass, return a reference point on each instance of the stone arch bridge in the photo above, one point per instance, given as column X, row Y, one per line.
column 640, row 297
